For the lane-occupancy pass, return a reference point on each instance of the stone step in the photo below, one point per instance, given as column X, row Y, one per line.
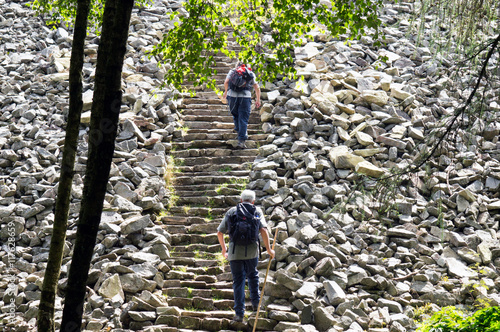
column 214, row 294
column 177, row 220
column 237, row 173
column 223, row 69
column 219, row 78
column 181, row 220
column 169, row 283
column 202, row 304
column 218, row 144
column 199, row 95
column 206, row 274
column 213, row 152
column 190, row 261
column 218, row 201
column 208, row 206
column 202, row 106
column 198, row 320
column 210, row 190
column 207, row 228
column 191, row 248
column 186, row 239
column 216, row 135
column 216, row 125
column 172, row 323
column 223, row 111
column 213, row 168
column 201, row 228
column 223, row 118
column 222, row 190
column 223, row 131
column 196, row 211
column 177, row 229
column 203, row 88
column 203, row 299
column 218, row 160
column 222, row 58
column 205, row 100
column 189, row 179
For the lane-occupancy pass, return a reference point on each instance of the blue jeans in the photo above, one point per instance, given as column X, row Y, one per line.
column 242, row 269
column 240, row 110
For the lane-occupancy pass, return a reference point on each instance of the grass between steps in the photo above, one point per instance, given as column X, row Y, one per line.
column 198, row 254
column 221, row 260
column 209, row 216
column 171, row 171
column 240, row 184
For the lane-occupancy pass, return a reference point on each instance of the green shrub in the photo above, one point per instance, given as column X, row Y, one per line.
column 451, row 319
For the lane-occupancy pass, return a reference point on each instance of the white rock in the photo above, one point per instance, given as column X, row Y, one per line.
column 378, row 97
column 391, row 56
column 324, row 87
column 273, row 95
column 455, row 266
column 342, row 158
column 334, row 292
column 494, row 206
column 306, row 52
column 364, row 139
column 111, row 288
column 398, row 92
column 308, row 290
column 338, row 120
column 135, row 224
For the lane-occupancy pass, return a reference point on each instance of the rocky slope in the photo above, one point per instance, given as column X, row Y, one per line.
column 348, row 269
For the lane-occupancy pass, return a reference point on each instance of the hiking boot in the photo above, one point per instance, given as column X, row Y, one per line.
column 241, row 146
column 255, row 307
column 238, row 318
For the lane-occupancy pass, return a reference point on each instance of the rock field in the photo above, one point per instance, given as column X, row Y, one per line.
column 340, row 264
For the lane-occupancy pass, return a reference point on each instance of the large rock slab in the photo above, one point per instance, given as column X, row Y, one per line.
column 111, row 288
column 342, row 158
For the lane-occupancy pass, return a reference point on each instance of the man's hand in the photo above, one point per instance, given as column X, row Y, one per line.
column 257, row 95
column 220, row 237
column 271, row 253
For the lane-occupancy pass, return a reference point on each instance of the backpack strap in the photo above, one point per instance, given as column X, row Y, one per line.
column 234, row 216
column 260, row 251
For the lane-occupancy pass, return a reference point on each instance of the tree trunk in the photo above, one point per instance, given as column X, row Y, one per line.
column 49, row 289
column 103, row 128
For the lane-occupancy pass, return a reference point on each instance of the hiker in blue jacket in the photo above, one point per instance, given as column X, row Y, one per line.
column 243, row 258
column 239, row 98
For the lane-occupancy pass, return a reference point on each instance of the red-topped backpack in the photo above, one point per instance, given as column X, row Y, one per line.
column 241, row 79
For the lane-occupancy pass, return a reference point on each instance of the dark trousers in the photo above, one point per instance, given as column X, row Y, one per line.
column 241, row 270
column 240, row 110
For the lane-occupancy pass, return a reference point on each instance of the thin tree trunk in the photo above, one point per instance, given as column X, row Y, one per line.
column 103, row 128
column 49, row 289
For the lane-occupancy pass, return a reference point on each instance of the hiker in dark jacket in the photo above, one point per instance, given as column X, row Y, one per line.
column 243, row 259
column 240, row 103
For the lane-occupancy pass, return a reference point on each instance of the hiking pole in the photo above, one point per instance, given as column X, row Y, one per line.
column 264, row 285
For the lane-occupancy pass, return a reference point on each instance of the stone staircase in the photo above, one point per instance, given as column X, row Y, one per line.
column 210, row 175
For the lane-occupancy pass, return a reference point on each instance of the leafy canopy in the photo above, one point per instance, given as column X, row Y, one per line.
column 60, row 11
column 203, row 28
